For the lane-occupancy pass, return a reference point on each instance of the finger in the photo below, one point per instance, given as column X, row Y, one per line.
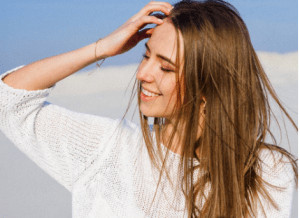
column 150, row 8
column 154, row 7
column 147, row 20
column 167, row 4
column 160, row 16
column 145, row 33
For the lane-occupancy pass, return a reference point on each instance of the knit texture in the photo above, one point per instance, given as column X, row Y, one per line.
column 104, row 162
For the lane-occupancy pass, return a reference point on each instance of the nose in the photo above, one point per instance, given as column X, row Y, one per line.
column 145, row 71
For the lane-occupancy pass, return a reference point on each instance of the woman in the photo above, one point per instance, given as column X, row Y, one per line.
column 206, row 154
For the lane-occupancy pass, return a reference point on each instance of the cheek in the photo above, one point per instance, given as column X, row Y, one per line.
column 170, row 93
column 173, row 98
column 168, row 88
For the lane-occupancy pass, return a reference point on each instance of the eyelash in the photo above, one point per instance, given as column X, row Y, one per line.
column 162, row 68
column 145, row 56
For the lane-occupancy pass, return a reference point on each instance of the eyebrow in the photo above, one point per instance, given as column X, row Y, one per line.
column 160, row 56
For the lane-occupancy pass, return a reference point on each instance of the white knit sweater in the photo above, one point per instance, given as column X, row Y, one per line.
column 104, row 163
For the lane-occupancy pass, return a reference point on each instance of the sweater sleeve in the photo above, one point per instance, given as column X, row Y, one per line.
column 277, row 171
column 58, row 140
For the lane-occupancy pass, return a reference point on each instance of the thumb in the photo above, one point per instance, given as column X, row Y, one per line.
column 145, row 33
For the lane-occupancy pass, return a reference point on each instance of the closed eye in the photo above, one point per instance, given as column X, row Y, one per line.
column 145, row 56
column 166, row 70
column 162, row 68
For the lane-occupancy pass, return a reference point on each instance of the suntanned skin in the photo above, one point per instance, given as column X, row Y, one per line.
column 45, row 73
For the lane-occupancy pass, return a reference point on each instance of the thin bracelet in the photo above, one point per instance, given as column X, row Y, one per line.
column 96, row 55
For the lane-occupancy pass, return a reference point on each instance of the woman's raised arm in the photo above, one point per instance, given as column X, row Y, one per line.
column 58, row 140
column 46, row 72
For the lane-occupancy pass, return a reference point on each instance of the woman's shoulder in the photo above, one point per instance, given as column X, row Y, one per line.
column 124, row 131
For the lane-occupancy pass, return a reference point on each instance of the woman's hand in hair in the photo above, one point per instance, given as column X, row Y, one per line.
column 132, row 32
column 46, row 72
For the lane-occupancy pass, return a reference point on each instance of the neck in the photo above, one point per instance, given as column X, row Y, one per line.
column 177, row 144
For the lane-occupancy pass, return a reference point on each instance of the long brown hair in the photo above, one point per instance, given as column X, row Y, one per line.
column 221, row 65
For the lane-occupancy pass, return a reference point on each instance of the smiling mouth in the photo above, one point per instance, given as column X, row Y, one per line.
column 148, row 93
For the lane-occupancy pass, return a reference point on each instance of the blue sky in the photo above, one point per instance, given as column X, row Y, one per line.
column 35, row 29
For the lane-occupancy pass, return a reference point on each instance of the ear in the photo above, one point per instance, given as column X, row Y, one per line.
column 203, row 101
column 203, row 105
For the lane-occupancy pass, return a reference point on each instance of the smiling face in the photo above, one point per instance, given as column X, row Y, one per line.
column 157, row 72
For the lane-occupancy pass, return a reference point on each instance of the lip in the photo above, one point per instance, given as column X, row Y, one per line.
column 146, row 98
column 151, row 91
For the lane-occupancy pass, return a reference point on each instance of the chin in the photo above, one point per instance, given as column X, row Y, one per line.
column 152, row 112
column 148, row 113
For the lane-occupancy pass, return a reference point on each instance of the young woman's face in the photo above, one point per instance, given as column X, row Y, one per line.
column 157, row 72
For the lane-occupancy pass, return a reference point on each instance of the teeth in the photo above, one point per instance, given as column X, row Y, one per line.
column 149, row 94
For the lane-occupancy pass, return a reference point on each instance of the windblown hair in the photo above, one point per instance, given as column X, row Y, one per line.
column 221, row 65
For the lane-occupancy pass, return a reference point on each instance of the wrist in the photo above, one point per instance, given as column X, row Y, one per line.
column 99, row 51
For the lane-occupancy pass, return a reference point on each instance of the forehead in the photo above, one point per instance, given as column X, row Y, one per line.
column 164, row 40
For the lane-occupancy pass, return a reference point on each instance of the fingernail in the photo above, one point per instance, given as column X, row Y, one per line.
column 160, row 20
